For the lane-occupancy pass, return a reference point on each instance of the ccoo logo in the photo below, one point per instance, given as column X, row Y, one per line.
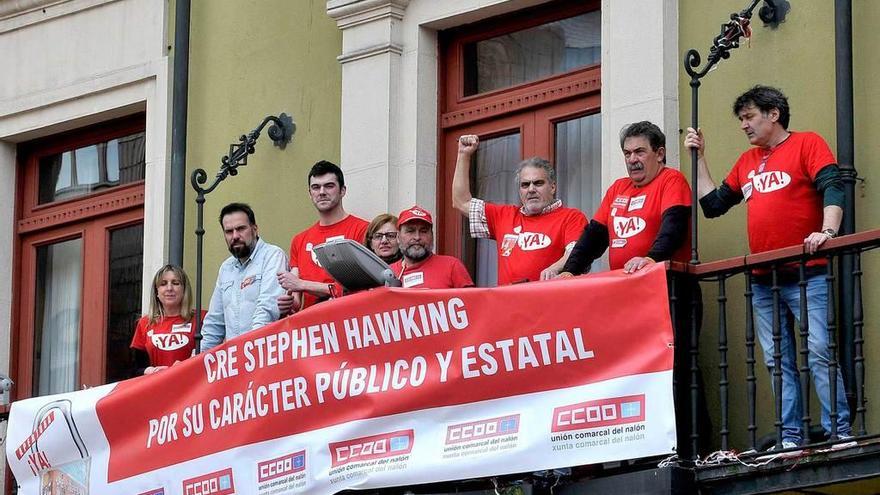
column 216, row 483
column 373, row 447
column 484, row 428
column 281, row 466
column 626, row 227
column 770, row 181
column 599, row 413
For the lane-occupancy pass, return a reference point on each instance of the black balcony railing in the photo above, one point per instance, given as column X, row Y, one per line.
column 775, row 270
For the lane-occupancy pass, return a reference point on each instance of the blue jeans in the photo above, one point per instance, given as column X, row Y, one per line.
column 819, row 356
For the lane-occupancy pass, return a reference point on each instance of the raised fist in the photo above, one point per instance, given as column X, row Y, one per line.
column 468, row 144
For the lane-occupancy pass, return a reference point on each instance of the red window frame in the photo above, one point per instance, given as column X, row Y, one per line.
column 90, row 217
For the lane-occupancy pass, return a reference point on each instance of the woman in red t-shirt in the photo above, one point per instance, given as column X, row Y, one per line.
column 166, row 335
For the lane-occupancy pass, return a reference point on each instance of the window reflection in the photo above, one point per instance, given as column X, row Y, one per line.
column 578, row 166
column 88, row 169
column 532, row 54
column 57, row 317
column 123, row 297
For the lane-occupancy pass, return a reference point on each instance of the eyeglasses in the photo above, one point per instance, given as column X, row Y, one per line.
column 378, row 236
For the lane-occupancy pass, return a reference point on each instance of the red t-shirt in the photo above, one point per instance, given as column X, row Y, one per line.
column 165, row 342
column 436, row 272
column 302, row 257
column 529, row 244
column 784, row 205
column 633, row 215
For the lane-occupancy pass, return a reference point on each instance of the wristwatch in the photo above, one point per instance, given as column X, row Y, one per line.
column 830, row 233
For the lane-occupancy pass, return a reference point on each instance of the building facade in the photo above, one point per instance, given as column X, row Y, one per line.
column 383, row 87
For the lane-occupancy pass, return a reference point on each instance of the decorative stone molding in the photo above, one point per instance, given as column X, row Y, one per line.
column 16, row 14
column 348, row 13
column 130, row 197
column 13, row 7
column 353, row 55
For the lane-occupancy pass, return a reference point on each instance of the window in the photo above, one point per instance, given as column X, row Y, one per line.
column 92, row 168
column 531, row 54
column 529, row 85
column 80, row 240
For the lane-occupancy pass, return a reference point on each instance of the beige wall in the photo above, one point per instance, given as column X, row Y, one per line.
column 797, row 57
column 250, row 59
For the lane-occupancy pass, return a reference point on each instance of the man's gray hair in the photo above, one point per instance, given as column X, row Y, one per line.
column 537, row 162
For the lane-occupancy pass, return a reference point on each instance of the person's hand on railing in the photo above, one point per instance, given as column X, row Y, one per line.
column 636, row 263
column 548, row 273
column 694, row 140
column 815, row 240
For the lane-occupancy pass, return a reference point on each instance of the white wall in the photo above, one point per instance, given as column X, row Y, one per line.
column 71, row 63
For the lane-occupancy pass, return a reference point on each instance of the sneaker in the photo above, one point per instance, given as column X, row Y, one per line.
column 786, row 444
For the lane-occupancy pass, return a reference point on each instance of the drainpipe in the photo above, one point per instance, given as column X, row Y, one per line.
column 845, row 160
column 180, row 85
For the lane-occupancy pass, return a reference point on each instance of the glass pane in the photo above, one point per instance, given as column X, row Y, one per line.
column 130, row 158
column 493, row 178
column 124, row 298
column 579, row 165
column 57, row 317
column 86, row 160
column 92, row 168
column 113, row 160
column 533, row 53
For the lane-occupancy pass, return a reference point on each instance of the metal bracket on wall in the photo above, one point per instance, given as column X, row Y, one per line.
column 281, row 133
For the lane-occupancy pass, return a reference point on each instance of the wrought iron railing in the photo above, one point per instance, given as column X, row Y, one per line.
column 730, row 331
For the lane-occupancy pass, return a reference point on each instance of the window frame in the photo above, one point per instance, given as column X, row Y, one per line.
column 452, row 50
column 91, row 217
column 31, row 153
column 549, row 100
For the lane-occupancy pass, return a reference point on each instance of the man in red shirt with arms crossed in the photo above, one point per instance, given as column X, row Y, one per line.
column 420, row 267
column 306, row 282
column 535, row 238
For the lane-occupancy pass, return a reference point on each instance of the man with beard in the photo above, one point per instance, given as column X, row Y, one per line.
column 246, row 291
column 420, row 267
column 534, row 238
column 307, row 283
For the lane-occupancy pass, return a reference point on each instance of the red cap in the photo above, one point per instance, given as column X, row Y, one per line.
column 414, row 213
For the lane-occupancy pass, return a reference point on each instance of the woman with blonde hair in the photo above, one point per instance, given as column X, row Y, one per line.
column 381, row 238
column 166, row 335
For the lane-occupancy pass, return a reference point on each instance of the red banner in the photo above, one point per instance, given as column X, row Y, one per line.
column 292, row 368
column 390, row 352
